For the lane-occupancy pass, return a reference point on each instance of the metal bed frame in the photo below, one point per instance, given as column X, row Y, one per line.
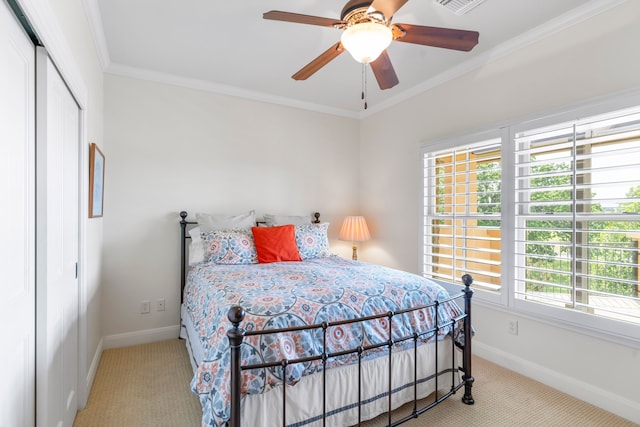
column 236, row 336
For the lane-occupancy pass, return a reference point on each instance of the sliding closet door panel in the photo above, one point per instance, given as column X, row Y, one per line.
column 17, row 226
column 57, row 189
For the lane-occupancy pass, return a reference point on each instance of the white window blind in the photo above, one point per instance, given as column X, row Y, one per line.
column 462, row 206
column 578, row 215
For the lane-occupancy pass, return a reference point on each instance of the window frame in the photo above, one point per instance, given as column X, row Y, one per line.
column 497, row 298
column 505, row 300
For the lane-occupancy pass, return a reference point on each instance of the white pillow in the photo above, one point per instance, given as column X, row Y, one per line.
column 196, row 247
column 272, row 220
column 208, row 222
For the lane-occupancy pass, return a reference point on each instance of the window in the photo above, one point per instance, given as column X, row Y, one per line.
column 578, row 215
column 544, row 217
column 462, row 229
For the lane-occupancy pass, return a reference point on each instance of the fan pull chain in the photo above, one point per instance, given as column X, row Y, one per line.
column 363, row 95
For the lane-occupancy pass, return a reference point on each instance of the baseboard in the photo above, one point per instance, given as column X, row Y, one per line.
column 141, row 337
column 604, row 399
column 93, row 368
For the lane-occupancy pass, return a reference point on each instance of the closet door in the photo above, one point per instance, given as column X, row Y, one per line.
column 58, row 136
column 17, row 226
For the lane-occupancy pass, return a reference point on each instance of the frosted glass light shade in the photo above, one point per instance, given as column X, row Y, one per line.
column 366, row 41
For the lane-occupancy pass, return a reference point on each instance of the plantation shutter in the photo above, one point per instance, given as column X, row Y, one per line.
column 578, row 215
column 463, row 214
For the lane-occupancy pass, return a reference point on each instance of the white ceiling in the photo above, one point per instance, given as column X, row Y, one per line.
column 227, row 47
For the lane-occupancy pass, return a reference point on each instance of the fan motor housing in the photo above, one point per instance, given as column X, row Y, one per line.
column 355, row 11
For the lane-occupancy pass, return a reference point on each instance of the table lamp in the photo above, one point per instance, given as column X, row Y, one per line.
column 354, row 229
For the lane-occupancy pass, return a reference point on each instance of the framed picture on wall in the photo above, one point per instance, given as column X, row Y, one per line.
column 96, row 181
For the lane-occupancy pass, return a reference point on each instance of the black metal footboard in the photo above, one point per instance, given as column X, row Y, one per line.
column 236, row 335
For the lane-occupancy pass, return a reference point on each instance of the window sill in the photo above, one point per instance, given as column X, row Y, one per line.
column 617, row 332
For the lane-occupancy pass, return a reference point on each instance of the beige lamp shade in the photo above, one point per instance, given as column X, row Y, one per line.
column 354, row 229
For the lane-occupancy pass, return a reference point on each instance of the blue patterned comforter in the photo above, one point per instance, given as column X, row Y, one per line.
column 287, row 294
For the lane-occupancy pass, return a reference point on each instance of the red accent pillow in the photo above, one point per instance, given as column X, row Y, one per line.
column 275, row 244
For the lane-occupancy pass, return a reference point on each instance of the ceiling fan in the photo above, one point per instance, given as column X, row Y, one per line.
column 368, row 31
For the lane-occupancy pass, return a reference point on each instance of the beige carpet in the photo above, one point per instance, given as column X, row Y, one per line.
column 144, row 385
column 148, row 385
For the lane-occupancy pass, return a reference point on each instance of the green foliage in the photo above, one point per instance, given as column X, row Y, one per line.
column 603, row 251
column 440, row 186
column 631, row 207
column 551, row 188
column 609, row 253
column 550, row 191
column 489, row 177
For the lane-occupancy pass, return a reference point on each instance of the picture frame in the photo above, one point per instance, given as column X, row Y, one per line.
column 96, row 181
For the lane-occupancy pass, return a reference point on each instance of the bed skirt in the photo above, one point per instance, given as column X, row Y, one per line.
column 304, row 401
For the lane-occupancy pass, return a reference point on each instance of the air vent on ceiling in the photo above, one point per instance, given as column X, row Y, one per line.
column 459, row 7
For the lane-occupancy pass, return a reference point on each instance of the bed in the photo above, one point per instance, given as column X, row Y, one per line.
column 307, row 338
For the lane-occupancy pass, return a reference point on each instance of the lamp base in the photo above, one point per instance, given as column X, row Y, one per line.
column 354, row 255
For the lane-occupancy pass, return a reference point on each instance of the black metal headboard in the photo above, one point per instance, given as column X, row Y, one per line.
column 183, row 251
column 183, row 246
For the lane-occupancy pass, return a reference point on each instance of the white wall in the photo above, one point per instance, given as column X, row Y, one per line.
column 592, row 59
column 173, row 149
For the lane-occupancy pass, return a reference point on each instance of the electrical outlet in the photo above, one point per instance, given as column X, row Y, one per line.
column 160, row 304
column 145, row 307
column 512, row 327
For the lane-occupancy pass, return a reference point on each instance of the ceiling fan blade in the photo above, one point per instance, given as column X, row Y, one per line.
column 446, row 38
column 384, row 72
column 277, row 15
column 322, row 60
column 387, row 7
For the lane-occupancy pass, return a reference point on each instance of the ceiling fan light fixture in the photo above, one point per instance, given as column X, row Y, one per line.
column 366, row 41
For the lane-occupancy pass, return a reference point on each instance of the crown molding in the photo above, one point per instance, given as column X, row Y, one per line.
column 190, row 83
column 564, row 21
column 94, row 17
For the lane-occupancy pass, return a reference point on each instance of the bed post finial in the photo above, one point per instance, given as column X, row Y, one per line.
column 235, row 335
column 466, row 355
column 316, row 215
column 467, row 280
column 183, row 215
column 235, row 316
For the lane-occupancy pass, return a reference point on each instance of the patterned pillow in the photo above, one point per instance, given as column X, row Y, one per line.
column 312, row 240
column 229, row 247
